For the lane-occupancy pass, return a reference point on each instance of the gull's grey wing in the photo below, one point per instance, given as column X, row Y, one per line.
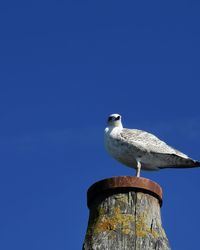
column 158, row 151
column 176, row 161
column 148, row 142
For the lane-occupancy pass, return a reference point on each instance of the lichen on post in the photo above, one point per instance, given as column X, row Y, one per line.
column 125, row 214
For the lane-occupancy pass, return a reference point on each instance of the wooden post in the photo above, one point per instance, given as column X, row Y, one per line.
column 125, row 215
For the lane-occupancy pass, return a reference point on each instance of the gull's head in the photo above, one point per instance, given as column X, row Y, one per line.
column 114, row 120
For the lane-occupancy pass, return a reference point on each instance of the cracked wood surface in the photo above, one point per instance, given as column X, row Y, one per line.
column 127, row 220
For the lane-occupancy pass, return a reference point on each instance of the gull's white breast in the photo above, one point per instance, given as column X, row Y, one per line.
column 118, row 148
column 125, row 152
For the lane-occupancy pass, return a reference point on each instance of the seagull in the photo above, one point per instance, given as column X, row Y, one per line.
column 142, row 150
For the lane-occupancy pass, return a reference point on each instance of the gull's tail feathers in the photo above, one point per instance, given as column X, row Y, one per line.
column 181, row 162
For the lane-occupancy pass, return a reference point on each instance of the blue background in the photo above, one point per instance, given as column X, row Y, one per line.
column 64, row 67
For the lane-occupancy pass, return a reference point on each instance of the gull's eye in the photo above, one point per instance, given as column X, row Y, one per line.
column 110, row 118
column 117, row 118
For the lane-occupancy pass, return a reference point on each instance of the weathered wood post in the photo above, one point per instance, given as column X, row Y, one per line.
column 125, row 214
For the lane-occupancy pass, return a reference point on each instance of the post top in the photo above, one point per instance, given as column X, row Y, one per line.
column 124, row 184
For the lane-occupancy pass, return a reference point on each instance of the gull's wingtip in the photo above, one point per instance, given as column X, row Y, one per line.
column 197, row 163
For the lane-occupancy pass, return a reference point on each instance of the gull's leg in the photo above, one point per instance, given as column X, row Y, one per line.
column 138, row 168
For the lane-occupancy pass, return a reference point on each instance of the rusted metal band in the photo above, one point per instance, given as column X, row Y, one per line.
column 124, row 184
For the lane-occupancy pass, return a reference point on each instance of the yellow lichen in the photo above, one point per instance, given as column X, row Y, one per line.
column 121, row 198
column 142, row 228
column 124, row 222
column 126, row 230
column 111, row 223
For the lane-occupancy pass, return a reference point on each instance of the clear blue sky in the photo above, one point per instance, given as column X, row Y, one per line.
column 66, row 65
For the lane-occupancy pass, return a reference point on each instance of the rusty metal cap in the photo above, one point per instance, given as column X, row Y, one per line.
column 124, row 184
